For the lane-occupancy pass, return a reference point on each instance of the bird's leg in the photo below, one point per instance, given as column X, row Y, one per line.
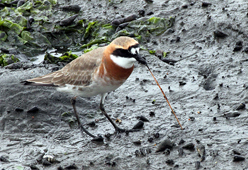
column 73, row 102
column 117, row 129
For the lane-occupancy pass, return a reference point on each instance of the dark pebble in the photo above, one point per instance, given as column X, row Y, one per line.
column 237, row 48
column 33, row 167
column 73, row 8
column 238, row 158
column 139, row 125
column 156, row 135
column 181, row 142
column 60, row 168
column 182, row 83
column 180, row 152
column 219, row 34
column 214, row 119
column 92, row 124
column 241, row 106
column 169, row 162
column 234, row 114
column 3, row 159
column 236, row 152
column 46, row 162
column 121, row 26
column 152, row 114
column 138, row 142
column 97, row 139
column 108, row 135
column 19, row 109
column 185, row 6
column 167, row 152
column 216, row 97
column 33, row 110
column 239, row 43
column 117, row 22
column 206, row 4
column 141, row 12
column 73, row 166
column 166, row 144
column 68, row 21
column 150, row 139
column 192, row 118
column 150, row 13
column 143, row 118
column 131, row 18
column 189, row 146
column 197, row 165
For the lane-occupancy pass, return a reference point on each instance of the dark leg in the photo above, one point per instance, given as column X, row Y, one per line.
column 73, row 102
column 117, row 129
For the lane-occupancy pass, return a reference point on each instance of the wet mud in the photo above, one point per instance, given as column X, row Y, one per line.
column 208, row 90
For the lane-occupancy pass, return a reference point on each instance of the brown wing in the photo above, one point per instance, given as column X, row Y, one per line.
column 77, row 72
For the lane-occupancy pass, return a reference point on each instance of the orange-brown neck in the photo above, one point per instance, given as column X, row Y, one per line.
column 112, row 70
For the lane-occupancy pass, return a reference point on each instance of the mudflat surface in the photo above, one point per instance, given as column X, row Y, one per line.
column 204, row 89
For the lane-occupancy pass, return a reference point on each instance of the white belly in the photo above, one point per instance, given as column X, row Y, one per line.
column 91, row 90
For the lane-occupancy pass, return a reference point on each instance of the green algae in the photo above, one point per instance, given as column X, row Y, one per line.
column 91, row 48
column 6, row 59
column 84, row 35
column 3, row 36
column 66, row 57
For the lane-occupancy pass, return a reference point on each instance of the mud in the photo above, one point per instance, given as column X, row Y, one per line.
column 215, row 83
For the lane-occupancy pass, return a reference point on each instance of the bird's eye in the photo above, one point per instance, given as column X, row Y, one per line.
column 134, row 50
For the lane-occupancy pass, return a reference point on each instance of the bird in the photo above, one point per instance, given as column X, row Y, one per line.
column 97, row 72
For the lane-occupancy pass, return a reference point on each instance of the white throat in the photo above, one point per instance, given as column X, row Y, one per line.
column 122, row 61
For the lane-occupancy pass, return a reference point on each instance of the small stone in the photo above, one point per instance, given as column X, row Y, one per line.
column 181, row 83
column 141, row 12
column 4, row 159
column 33, row 110
column 150, row 139
column 189, row 146
column 156, row 135
column 238, row 158
column 181, row 142
column 206, row 4
column 241, row 106
column 19, row 109
column 152, row 114
column 185, row 6
column 219, row 34
column 139, row 125
column 166, row 144
column 169, row 162
column 236, row 152
column 46, row 162
column 143, row 118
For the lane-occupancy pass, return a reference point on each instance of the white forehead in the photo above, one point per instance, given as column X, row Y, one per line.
column 135, row 50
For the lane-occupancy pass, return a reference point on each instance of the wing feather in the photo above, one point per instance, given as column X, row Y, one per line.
column 77, row 72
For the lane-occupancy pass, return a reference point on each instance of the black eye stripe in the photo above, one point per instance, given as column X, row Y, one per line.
column 134, row 46
column 123, row 53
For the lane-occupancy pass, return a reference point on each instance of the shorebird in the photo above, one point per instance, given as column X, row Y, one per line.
column 99, row 71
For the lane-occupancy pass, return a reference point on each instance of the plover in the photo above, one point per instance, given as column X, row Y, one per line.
column 99, row 71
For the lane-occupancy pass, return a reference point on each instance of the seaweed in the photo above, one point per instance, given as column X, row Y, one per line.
column 6, row 59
